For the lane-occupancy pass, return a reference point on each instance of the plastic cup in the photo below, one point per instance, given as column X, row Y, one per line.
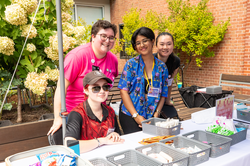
column 179, row 84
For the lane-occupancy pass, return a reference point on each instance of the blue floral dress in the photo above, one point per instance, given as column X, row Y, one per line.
column 132, row 80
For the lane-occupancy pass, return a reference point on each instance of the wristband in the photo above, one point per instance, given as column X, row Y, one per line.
column 159, row 112
column 99, row 143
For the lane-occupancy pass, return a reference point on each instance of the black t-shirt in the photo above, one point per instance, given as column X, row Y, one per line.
column 74, row 124
column 172, row 63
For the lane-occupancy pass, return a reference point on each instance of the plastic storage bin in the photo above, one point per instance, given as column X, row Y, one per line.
column 179, row 158
column 100, row 162
column 243, row 115
column 237, row 137
column 159, row 131
column 194, row 158
column 132, row 158
column 220, row 145
column 24, row 157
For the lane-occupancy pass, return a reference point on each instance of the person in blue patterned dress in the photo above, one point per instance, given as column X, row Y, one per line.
column 143, row 84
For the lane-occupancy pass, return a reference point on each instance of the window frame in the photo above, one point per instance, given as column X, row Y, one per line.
column 87, row 5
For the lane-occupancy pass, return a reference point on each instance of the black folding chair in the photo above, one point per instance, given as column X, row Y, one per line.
column 56, row 138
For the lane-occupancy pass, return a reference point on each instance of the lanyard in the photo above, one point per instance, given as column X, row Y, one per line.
column 151, row 74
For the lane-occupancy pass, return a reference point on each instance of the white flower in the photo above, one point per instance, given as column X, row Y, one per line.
column 6, row 46
column 79, row 31
column 52, row 50
column 28, row 5
column 67, row 28
column 52, row 73
column 67, row 5
column 36, row 82
column 31, row 47
column 66, row 17
column 15, row 15
column 51, row 54
column 25, row 30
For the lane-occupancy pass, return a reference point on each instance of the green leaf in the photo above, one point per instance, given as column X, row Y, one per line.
column 21, row 72
column 25, row 62
column 2, row 23
column 30, row 68
column 33, row 55
column 38, row 62
column 15, row 33
column 51, row 16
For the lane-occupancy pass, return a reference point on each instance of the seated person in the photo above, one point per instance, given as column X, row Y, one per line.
column 92, row 122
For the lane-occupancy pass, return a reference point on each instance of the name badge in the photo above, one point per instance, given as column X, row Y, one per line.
column 153, row 92
column 94, row 68
column 170, row 81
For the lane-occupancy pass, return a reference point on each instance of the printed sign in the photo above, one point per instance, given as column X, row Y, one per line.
column 225, row 107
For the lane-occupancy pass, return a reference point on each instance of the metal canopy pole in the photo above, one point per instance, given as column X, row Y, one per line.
column 61, row 66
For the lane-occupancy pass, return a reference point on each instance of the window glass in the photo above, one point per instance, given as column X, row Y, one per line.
column 89, row 14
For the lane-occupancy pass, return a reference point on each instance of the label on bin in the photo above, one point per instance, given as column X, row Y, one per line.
column 191, row 136
column 201, row 154
column 174, row 129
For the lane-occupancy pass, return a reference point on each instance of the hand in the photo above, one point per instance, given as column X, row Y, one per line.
column 156, row 114
column 56, row 125
column 114, row 138
column 139, row 119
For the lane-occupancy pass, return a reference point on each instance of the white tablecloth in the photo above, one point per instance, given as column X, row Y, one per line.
column 239, row 154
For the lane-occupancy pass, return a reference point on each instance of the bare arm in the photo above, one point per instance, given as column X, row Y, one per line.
column 170, row 88
column 88, row 145
column 57, row 107
column 130, row 106
column 159, row 107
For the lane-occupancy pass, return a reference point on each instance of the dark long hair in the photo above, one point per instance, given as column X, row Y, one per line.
column 143, row 31
column 171, row 65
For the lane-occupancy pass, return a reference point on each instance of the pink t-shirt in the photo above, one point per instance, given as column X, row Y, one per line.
column 77, row 63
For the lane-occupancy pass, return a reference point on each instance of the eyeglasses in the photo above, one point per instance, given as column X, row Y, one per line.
column 97, row 89
column 144, row 41
column 104, row 37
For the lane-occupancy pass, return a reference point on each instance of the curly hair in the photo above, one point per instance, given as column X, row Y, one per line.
column 102, row 24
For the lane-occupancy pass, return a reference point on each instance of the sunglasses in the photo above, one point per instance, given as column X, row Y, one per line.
column 97, row 89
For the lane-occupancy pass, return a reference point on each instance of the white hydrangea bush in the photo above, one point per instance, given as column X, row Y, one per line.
column 28, row 5
column 16, row 15
column 52, row 73
column 66, row 17
column 6, row 46
column 67, row 5
column 25, row 31
column 79, row 31
column 31, row 47
column 37, row 83
column 68, row 28
column 52, row 50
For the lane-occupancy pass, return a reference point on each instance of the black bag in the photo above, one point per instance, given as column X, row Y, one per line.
column 168, row 111
column 56, row 138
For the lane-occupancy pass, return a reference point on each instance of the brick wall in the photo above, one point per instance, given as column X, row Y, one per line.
column 232, row 55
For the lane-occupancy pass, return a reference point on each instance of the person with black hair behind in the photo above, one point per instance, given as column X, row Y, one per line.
column 165, row 46
column 143, row 83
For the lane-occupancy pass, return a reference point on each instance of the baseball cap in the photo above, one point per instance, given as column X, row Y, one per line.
column 93, row 76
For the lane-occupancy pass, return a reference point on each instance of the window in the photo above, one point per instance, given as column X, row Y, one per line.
column 123, row 54
column 89, row 13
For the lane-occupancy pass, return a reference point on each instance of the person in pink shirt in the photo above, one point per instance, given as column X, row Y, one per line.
column 78, row 62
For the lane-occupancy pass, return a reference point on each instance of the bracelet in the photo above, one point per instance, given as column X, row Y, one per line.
column 99, row 143
column 159, row 112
